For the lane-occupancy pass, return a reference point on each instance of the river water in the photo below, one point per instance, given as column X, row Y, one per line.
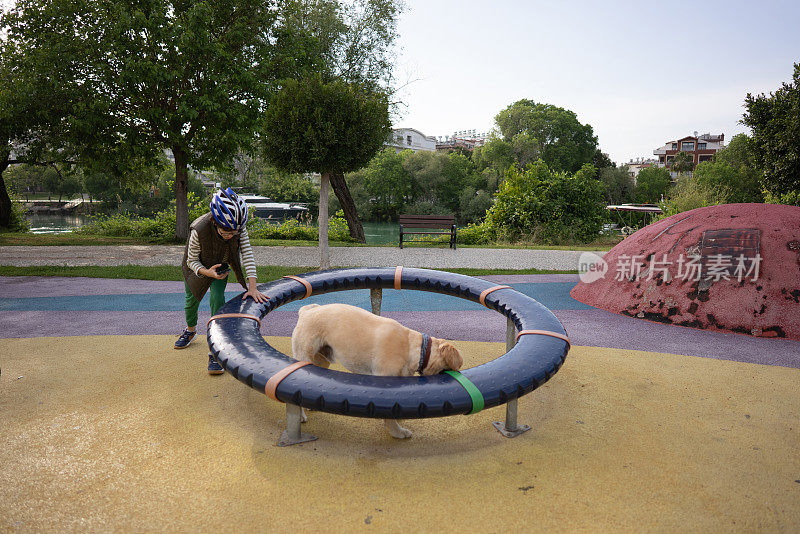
column 54, row 224
column 375, row 233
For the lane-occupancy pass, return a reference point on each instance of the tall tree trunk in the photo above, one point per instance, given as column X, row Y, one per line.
column 349, row 207
column 181, row 189
column 5, row 200
column 324, row 252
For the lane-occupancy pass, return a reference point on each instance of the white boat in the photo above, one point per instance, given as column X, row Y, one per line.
column 266, row 208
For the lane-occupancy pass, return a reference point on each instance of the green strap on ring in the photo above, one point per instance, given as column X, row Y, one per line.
column 474, row 393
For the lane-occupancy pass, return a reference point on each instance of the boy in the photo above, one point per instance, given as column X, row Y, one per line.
column 216, row 238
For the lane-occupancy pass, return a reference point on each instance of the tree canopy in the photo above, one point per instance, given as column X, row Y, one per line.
column 46, row 100
column 311, row 126
column 619, row 184
column 334, row 40
column 652, row 184
column 775, row 123
column 683, row 162
column 336, row 127
column 350, row 41
column 565, row 143
column 189, row 77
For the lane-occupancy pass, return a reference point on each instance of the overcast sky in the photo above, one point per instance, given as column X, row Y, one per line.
column 641, row 73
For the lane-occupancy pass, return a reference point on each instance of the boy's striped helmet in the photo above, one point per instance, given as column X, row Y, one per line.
column 228, row 210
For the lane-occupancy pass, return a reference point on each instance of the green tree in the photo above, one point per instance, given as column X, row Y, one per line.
column 601, row 161
column 426, row 172
column 459, row 174
column 775, row 123
column 652, row 184
column 473, row 204
column 188, row 77
column 744, row 183
column 438, row 180
column 39, row 89
column 683, row 163
column 619, row 184
column 566, row 144
column 184, row 76
column 495, row 153
column 349, row 41
column 492, row 160
column 740, row 152
column 389, row 185
column 312, row 126
column 733, row 184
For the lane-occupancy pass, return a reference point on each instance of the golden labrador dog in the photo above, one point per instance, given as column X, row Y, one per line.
column 368, row 344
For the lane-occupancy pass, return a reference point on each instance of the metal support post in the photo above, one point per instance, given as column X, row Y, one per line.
column 375, row 296
column 292, row 435
column 510, row 428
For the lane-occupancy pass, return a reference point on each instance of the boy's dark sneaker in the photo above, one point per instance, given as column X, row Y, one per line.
column 214, row 368
column 185, row 339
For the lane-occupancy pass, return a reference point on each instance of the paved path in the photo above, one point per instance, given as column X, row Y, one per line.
column 431, row 258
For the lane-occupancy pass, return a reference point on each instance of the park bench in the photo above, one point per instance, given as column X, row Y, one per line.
column 427, row 225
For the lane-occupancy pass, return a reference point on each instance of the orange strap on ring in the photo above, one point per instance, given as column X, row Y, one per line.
column 244, row 315
column 305, row 283
column 482, row 298
column 398, row 276
column 543, row 333
column 277, row 378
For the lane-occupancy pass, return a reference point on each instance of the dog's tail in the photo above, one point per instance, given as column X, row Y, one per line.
column 308, row 307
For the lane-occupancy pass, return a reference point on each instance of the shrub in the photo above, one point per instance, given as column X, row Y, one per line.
column 162, row 225
column 293, row 229
column 689, row 194
column 552, row 206
column 17, row 222
column 159, row 227
column 791, row 198
column 474, row 234
column 338, row 229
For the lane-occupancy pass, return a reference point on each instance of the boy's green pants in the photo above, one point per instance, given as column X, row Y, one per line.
column 217, row 298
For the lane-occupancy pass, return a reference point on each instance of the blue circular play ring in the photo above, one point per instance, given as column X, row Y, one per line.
column 238, row 345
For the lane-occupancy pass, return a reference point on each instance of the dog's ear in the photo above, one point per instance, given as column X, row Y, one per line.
column 451, row 356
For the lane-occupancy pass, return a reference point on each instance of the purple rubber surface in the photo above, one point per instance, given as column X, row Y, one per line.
column 591, row 327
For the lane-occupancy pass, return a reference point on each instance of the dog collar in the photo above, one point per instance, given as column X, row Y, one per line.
column 424, row 352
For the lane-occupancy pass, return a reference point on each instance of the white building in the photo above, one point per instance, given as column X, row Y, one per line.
column 634, row 166
column 411, row 139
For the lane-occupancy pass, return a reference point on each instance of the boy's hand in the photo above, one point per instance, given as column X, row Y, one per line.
column 212, row 272
column 252, row 291
column 257, row 295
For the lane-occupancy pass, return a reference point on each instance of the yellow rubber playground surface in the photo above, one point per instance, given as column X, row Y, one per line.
column 123, row 433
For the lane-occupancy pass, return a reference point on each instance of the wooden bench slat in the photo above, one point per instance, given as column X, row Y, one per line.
column 426, row 225
column 427, row 217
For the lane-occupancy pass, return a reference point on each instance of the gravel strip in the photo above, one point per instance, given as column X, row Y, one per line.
column 432, row 258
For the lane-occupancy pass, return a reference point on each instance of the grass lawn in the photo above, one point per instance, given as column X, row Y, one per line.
column 71, row 239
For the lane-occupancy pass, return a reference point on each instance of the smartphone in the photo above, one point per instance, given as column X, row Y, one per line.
column 224, row 268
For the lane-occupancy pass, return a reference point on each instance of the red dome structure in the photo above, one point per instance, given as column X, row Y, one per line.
column 734, row 268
